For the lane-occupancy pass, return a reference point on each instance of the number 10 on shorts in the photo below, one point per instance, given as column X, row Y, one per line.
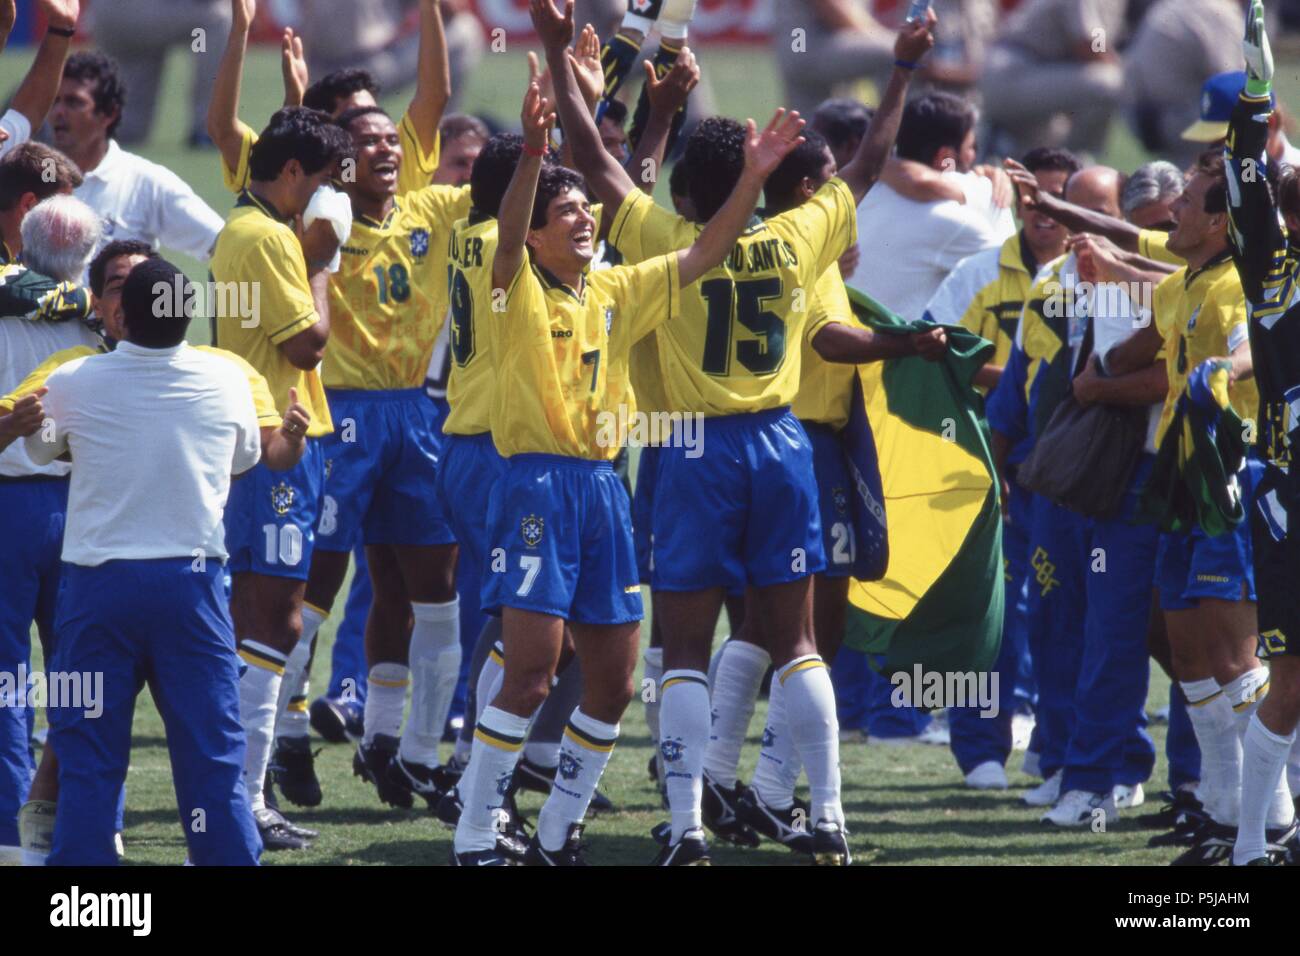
column 283, row 544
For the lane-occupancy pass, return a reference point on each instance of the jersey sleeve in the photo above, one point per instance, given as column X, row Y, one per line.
column 962, row 299
column 263, row 403
column 285, row 307
column 236, row 180
column 642, row 229
column 1154, row 244
column 830, row 303
column 644, row 296
column 418, row 166
column 823, row 228
column 1259, row 245
column 29, row 295
column 441, row 205
column 39, row 375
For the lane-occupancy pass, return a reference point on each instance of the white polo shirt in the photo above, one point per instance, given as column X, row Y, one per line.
column 17, row 128
column 137, row 199
column 155, row 435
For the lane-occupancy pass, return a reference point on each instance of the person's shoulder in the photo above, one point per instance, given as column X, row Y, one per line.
column 217, row 363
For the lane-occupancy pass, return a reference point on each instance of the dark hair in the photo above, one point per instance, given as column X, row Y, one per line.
column 339, row 85
column 23, row 170
column 931, row 122
column 156, row 306
column 456, row 125
column 715, row 156
column 118, row 247
column 677, row 182
column 492, row 169
column 804, row 161
column 108, row 91
column 296, row 132
column 842, row 121
column 1051, row 159
column 345, row 119
column 1210, row 163
column 553, row 180
column 616, row 113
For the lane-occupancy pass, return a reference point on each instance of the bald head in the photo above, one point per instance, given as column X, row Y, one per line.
column 1096, row 188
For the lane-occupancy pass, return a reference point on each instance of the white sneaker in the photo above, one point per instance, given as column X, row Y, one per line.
column 1045, row 794
column 1022, row 729
column 990, row 775
column 1126, row 797
column 936, row 735
column 1078, row 808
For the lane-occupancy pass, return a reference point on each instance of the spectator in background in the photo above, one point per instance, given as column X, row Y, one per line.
column 820, row 43
column 961, row 40
column 1178, row 45
column 138, row 34
column 34, row 96
column 1218, row 97
column 462, row 139
column 1148, row 194
column 1054, row 76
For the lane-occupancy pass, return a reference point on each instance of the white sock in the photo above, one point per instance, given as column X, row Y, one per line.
column 734, row 690
column 385, row 699
column 1245, row 693
column 778, row 766
column 684, row 735
column 584, row 753
column 435, row 667
column 36, row 831
column 291, row 703
column 810, row 712
column 259, row 686
column 654, row 672
column 1293, row 767
column 1211, row 717
column 545, row 754
column 489, row 680
column 498, row 738
column 1265, row 753
column 714, row 661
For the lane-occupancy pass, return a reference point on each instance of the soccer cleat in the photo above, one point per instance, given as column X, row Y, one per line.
column 789, row 827
column 1079, row 808
column 538, row 779
column 691, row 850
column 293, row 768
column 652, row 769
column 275, row 831
column 571, row 854
column 1127, row 798
column 417, row 778
column 337, row 721
column 1214, row 842
column 1284, row 844
column 830, row 844
column 1046, row 793
column 1184, row 832
column 478, row 858
column 1176, row 806
column 268, row 797
column 990, row 775
column 512, row 839
column 448, row 808
column 718, row 810
column 372, row 762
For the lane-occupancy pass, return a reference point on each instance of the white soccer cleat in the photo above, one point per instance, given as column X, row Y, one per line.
column 1022, row 729
column 990, row 775
column 1126, row 797
column 936, row 735
column 1045, row 794
column 1079, row 808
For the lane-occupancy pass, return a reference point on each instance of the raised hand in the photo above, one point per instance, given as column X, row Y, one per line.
column 293, row 67
column 555, row 29
column 1259, row 57
column 62, row 13
column 296, row 419
column 765, row 150
column 540, row 76
column 242, row 13
column 27, row 416
column 8, row 17
column 1026, row 183
column 585, row 60
column 537, row 118
column 670, row 94
column 915, row 39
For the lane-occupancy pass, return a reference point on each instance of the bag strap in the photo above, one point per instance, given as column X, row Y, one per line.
column 1085, row 350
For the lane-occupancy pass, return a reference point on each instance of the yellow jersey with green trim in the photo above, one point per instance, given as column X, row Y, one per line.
column 388, row 299
column 561, row 356
column 826, row 388
column 1202, row 315
column 1154, row 244
column 267, row 416
column 257, row 247
column 415, row 172
column 735, row 347
column 471, row 383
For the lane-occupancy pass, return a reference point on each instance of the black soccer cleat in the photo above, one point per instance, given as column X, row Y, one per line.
column 1284, row 844
column 268, row 798
column 372, row 762
column 337, row 721
column 571, row 854
column 512, row 838
column 275, row 832
column 1184, row 832
column 478, row 858
column 788, row 827
column 538, row 779
column 830, row 845
column 1176, row 807
column 294, row 769
column 718, row 810
column 417, row 778
column 691, row 850
column 1214, row 842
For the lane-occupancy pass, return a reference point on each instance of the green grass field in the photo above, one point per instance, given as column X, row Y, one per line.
column 905, row 805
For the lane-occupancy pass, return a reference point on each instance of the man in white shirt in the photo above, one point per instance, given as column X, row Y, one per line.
column 136, row 199
column 34, row 96
column 907, row 248
column 143, row 597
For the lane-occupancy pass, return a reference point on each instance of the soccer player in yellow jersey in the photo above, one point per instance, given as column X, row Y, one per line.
column 560, row 527
column 271, row 516
column 745, row 512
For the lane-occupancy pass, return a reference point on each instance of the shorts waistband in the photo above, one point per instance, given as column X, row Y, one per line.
column 822, row 427
column 748, row 419
column 562, row 461
column 31, row 479
column 478, row 438
column 375, row 395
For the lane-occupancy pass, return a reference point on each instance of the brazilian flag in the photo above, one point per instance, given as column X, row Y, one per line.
column 940, row 601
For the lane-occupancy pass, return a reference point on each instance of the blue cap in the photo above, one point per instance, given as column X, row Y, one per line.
column 1218, row 96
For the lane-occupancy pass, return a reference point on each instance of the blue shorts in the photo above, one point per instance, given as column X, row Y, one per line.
column 643, row 509
column 561, row 542
column 833, row 488
column 271, row 517
column 468, row 472
column 381, row 462
column 742, row 513
column 1192, row 566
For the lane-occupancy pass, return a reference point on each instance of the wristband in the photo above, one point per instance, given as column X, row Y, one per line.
column 906, row 64
column 537, row 152
column 62, row 31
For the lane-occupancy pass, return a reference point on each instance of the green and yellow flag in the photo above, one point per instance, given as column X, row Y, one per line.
column 940, row 602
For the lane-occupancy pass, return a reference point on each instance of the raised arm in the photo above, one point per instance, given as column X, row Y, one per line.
column 862, row 171
column 35, row 95
column 1072, row 217
column 223, row 109
column 433, row 77
column 293, row 68
column 8, row 17
column 517, row 204
column 666, row 97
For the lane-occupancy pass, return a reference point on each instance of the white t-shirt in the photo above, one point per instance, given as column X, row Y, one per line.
column 908, row 248
column 155, row 435
column 137, row 199
column 17, row 128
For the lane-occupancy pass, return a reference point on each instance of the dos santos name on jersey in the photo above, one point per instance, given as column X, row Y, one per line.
column 763, row 255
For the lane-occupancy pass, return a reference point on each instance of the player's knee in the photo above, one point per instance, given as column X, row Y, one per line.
column 523, row 693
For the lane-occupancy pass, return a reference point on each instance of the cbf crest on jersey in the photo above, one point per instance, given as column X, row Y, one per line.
column 419, row 243
column 531, row 528
column 282, row 498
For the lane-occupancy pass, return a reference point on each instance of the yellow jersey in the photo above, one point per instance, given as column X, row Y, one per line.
column 267, row 416
column 471, row 384
column 1202, row 315
column 561, row 356
column 826, row 388
column 415, row 172
column 733, row 348
column 388, row 299
column 258, row 248
column 1154, row 244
